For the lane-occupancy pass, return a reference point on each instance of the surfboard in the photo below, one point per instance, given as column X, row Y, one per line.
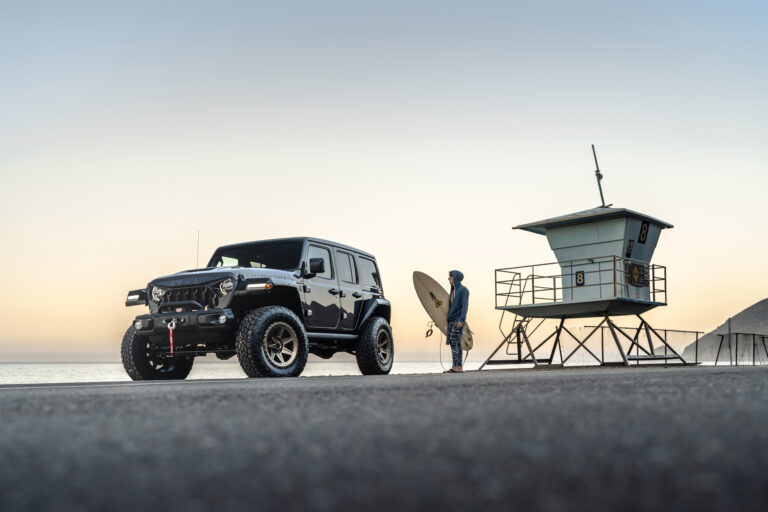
column 434, row 298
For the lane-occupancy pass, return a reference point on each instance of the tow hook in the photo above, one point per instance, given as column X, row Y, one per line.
column 171, row 324
column 171, row 327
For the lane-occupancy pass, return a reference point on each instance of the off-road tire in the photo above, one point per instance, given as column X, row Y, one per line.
column 138, row 365
column 251, row 342
column 367, row 351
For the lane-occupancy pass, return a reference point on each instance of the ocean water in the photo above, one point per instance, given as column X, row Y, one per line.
column 54, row 373
column 62, row 373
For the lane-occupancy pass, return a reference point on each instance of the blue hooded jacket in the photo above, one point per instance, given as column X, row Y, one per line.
column 457, row 308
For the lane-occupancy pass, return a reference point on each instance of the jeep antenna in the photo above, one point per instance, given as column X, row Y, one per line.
column 197, row 254
column 599, row 177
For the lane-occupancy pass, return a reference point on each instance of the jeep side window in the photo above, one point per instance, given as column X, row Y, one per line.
column 346, row 267
column 323, row 253
column 228, row 261
column 369, row 274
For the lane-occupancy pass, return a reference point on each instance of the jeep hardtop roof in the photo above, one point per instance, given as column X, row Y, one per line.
column 308, row 239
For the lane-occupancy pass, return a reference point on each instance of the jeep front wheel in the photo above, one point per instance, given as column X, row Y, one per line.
column 271, row 342
column 375, row 349
column 141, row 362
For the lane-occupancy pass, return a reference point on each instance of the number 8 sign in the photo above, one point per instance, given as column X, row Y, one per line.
column 580, row 278
column 643, row 233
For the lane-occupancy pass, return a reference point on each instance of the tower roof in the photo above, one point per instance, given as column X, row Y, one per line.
column 585, row 216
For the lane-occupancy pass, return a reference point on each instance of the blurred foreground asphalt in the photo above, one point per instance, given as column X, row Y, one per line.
column 605, row 439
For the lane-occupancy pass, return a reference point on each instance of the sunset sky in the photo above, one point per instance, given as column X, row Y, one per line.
column 418, row 131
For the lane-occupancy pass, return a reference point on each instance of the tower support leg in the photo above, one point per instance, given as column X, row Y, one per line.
column 556, row 344
column 514, row 334
column 521, row 337
column 505, row 341
column 667, row 345
column 583, row 343
column 616, row 339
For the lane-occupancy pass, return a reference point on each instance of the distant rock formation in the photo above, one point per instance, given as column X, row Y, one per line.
column 753, row 319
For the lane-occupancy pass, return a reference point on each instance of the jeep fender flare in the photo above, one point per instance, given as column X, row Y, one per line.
column 282, row 292
column 375, row 307
column 291, row 296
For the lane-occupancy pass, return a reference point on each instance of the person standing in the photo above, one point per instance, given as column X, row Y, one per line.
column 457, row 317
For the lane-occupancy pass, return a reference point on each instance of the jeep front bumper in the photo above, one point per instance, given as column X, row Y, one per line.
column 200, row 322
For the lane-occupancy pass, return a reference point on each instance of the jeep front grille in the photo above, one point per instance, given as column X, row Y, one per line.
column 202, row 294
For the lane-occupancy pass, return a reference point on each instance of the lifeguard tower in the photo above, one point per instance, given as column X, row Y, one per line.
column 603, row 270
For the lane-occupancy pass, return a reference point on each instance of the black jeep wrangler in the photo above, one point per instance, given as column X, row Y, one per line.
column 270, row 302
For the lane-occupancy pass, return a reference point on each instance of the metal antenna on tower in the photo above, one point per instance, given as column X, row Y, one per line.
column 598, row 176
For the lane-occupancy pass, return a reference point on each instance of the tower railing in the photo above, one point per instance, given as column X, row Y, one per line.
column 606, row 277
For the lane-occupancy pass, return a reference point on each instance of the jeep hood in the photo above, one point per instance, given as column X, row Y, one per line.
column 203, row 276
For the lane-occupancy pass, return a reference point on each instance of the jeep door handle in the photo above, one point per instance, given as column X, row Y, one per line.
column 333, row 291
column 357, row 295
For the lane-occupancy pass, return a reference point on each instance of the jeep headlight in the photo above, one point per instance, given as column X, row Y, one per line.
column 226, row 286
column 158, row 293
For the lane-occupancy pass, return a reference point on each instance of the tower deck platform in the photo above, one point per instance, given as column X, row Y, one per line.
column 582, row 309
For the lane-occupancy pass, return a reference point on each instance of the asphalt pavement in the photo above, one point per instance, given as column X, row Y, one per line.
column 605, row 439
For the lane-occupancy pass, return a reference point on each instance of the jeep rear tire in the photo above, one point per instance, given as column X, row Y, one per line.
column 375, row 349
column 142, row 363
column 271, row 342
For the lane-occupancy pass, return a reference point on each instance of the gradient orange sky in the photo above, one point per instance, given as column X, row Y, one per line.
column 418, row 131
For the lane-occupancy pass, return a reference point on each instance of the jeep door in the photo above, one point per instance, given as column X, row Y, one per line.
column 321, row 292
column 370, row 280
column 350, row 292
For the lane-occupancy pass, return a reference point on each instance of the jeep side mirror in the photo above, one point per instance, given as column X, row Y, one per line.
column 304, row 273
column 316, row 266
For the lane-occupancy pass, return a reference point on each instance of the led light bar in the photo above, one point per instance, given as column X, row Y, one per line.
column 259, row 286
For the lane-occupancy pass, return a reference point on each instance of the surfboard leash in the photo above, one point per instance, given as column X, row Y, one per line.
column 430, row 331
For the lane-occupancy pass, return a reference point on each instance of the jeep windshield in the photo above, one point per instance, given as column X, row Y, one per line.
column 280, row 255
